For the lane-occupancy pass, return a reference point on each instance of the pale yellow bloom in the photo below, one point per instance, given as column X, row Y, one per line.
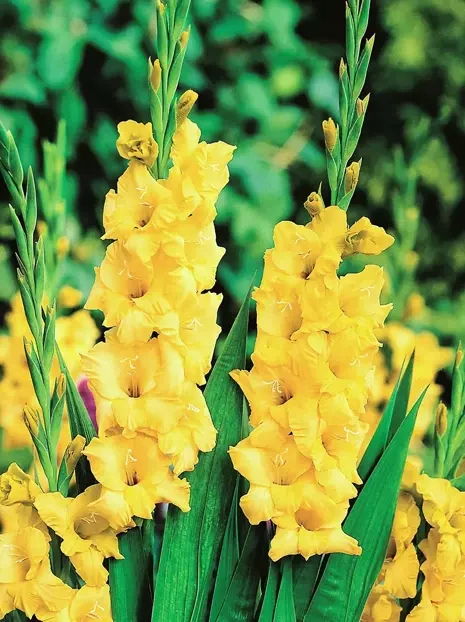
column 136, row 141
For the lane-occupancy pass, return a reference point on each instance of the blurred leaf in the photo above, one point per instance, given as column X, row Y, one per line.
column 59, row 58
column 24, row 87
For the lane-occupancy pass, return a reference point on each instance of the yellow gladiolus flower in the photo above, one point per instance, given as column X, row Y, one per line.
column 89, row 603
column 17, row 487
column 26, row 580
column 140, row 206
column 140, row 387
column 363, row 237
column 138, row 469
column 443, row 504
column 136, row 141
column 381, row 607
column 204, row 164
column 135, row 297
column 87, row 536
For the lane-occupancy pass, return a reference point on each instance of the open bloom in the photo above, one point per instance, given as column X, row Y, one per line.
column 26, row 580
column 312, row 367
column 136, row 142
column 88, row 603
column 138, row 469
column 86, row 533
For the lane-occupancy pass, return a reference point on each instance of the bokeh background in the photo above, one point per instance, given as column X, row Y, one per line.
column 266, row 73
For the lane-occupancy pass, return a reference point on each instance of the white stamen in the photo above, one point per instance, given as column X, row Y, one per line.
column 275, row 386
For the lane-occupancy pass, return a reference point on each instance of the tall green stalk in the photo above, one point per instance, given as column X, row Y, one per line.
column 164, row 74
column 342, row 140
column 44, row 426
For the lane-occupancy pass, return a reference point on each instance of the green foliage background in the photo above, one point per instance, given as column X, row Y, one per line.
column 266, row 74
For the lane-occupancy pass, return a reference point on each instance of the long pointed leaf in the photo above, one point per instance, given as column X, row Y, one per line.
column 285, row 609
column 131, row 578
column 271, row 593
column 402, row 398
column 347, row 579
column 240, row 599
column 305, row 578
column 192, row 541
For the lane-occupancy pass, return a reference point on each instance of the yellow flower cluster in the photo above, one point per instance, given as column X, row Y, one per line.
column 307, row 390
column 443, row 589
column 75, row 334
column 152, row 416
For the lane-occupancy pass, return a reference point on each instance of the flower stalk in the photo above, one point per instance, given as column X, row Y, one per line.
column 341, row 140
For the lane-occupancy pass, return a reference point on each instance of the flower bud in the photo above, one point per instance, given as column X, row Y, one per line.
column 411, row 260
column 155, row 74
column 314, row 204
column 415, row 306
column 342, row 68
column 330, row 134
column 31, row 419
column 184, row 106
column 136, row 142
column 41, row 227
column 73, row 453
column 62, row 246
column 351, row 177
column 184, row 39
column 362, row 105
column 441, row 419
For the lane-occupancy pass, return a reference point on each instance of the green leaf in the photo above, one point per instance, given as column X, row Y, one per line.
column 402, row 398
column 229, row 557
column 192, row 541
column 398, row 404
column 362, row 68
column 348, row 579
column 79, row 423
column 131, row 587
column 241, row 596
column 271, row 593
column 305, row 578
column 350, row 38
column 285, row 609
column 354, row 137
column 459, row 483
column 363, row 19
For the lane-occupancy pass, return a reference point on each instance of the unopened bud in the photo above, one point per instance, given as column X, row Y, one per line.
column 362, row 105
column 184, row 39
column 41, row 227
column 61, row 385
column 415, row 306
column 351, row 177
column 155, row 74
column 330, row 134
column 459, row 356
column 411, row 260
column 184, row 106
column 342, row 68
column 62, row 246
column 161, row 7
column 314, row 204
column 73, row 452
column 441, row 419
column 31, row 419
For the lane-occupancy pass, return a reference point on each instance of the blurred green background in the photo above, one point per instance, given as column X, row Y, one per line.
column 266, row 74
